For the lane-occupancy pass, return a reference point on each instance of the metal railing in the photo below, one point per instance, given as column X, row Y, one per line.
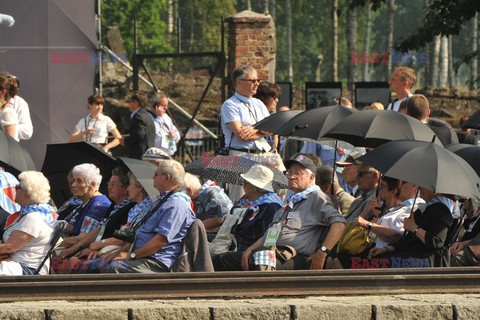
column 197, row 147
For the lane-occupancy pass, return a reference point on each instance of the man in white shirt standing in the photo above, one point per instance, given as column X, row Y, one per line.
column 238, row 115
column 166, row 134
column 20, row 106
column 401, row 82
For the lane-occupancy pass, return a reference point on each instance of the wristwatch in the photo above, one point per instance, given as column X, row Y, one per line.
column 369, row 226
column 325, row 250
column 133, row 256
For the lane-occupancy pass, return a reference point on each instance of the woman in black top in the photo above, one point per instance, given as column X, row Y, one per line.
column 424, row 239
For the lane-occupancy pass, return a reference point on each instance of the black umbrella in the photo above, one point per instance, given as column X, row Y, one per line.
column 469, row 153
column 275, row 121
column 425, row 164
column 372, row 128
column 144, row 172
column 314, row 123
column 227, row 169
column 61, row 158
column 13, row 157
column 473, row 122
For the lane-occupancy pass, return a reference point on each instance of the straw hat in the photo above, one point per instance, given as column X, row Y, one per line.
column 259, row 176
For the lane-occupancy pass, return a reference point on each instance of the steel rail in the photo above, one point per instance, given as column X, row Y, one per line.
column 240, row 284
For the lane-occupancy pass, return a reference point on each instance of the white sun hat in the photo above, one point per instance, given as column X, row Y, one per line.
column 259, row 176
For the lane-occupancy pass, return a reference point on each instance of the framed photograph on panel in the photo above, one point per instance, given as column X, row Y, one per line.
column 321, row 94
column 285, row 98
column 367, row 93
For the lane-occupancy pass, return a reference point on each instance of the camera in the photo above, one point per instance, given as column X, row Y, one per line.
column 222, row 151
column 125, row 235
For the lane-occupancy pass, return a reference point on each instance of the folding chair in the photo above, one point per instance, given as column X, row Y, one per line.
column 56, row 234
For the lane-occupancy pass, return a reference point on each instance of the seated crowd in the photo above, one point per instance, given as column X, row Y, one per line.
column 131, row 231
column 349, row 216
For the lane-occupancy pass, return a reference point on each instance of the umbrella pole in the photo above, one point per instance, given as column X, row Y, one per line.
column 334, row 165
column 415, row 200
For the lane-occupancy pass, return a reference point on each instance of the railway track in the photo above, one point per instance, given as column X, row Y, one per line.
column 240, row 284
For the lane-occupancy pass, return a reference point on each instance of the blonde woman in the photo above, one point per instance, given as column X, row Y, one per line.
column 27, row 233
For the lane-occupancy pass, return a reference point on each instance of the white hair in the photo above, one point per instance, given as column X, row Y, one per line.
column 91, row 173
column 174, row 169
column 191, row 182
column 36, row 185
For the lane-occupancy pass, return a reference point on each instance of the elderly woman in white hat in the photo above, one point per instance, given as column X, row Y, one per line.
column 263, row 204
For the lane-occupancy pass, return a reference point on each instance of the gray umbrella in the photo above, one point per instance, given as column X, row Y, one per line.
column 275, row 121
column 227, row 169
column 144, row 172
column 473, row 122
column 372, row 128
column 469, row 153
column 314, row 123
column 425, row 164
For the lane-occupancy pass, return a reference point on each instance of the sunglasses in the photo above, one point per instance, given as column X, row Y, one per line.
column 251, row 80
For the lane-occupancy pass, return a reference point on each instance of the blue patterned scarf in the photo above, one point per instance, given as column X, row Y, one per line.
column 297, row 197
column 44, row 209
column 139, row 211
column 266, row 198
column 181, row 195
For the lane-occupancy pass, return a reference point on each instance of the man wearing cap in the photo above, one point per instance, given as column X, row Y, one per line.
column 350, row 169
column 153, row 155
column 367, row 179
column 238, row 115
column 263, row 203
column 308, row 222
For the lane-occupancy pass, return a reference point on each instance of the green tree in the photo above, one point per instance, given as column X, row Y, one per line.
column 201, row 23
column 151, row 26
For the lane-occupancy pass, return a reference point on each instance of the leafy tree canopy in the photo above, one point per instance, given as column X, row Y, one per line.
column 443, row 17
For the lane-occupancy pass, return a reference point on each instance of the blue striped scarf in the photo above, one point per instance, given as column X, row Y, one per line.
column 297, row 197
column 44, row 209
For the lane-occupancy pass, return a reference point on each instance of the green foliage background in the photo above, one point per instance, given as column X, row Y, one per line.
column 311, row 34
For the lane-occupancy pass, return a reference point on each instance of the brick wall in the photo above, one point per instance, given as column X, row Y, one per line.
column 251, row 41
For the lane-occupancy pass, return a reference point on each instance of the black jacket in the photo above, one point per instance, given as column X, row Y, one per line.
column 142, row 134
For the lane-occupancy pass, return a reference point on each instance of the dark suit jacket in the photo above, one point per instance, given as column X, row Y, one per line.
column 142, row 134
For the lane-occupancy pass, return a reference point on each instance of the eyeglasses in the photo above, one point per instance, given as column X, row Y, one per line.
column 294, row 173
column 114, row 184
column 251, row 80
column 362, row 173
column 18, row 187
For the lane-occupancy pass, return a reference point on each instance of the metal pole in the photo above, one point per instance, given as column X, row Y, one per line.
column 99, row 26
column 134, row 61
column 148, row 83
column 179, row 36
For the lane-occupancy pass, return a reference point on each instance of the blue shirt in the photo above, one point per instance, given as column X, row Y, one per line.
column 172, row 221
column 96, row 209
column 247, row 111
